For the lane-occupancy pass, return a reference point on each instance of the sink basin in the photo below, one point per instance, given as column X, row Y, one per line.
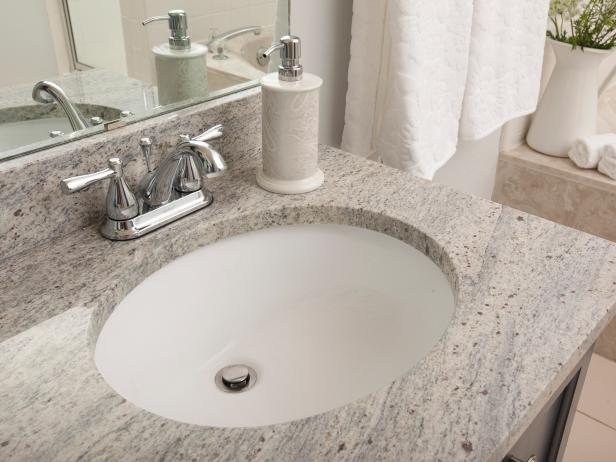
column 250, row 48
column 241, row 62
column 22, row 126
column 323, row 314
column 20, row 133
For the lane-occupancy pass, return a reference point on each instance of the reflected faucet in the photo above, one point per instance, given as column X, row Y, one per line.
column 47, row 92
column 219, row 40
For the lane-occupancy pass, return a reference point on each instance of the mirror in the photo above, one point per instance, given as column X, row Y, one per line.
column 74, row 68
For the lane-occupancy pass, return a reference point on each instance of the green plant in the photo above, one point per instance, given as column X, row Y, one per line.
column 590, row 24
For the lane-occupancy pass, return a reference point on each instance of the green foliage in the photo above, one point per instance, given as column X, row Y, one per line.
column 590, row 24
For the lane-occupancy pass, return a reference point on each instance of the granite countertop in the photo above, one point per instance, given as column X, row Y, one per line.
column 556, row 189
column 531, row 298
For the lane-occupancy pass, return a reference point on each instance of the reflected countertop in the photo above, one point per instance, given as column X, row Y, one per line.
column 98, row 87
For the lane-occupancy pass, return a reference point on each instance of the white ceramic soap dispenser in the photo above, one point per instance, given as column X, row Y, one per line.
column 290, row 123
column 181, row 69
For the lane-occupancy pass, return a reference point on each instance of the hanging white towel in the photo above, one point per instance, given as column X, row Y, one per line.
column 586, row 152
column 607, row 164
column 368, row 73
column 456, row 67
column 505, row 62
column 429, row 47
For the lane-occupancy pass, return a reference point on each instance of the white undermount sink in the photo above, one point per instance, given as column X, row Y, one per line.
column 323, row 314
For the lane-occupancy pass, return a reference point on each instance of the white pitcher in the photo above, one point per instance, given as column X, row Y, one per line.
column 568, row 109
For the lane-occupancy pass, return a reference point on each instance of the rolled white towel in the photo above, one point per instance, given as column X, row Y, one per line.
column 607, row 164
column 586, row 152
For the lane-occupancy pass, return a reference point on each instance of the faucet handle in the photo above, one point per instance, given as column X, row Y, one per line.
column 208, row 163
column 211, row 134
column 121, row 202
column 78, row 183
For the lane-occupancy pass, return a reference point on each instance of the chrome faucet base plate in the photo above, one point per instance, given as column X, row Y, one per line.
column 125, row 230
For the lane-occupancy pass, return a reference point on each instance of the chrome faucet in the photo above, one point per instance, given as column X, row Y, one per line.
column 218, row 41
column 47, row 92
column 193, row 160
column 168, row 193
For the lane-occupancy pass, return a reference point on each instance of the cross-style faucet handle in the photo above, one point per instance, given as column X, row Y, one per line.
column 211, row 134
column 121, row 202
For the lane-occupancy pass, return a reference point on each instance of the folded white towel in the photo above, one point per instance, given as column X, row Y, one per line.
column 586, row 152
column 607, row 164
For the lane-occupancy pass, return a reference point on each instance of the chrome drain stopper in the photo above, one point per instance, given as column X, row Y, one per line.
column 236, row 378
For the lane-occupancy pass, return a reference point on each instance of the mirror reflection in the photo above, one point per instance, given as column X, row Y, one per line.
column 88, row 65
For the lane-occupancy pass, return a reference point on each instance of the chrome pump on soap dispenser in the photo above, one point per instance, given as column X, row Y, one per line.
column 290, row 123
column 181, row 68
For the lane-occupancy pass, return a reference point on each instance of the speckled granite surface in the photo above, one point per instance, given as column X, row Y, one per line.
column 556, row 189
column 532, row 296
column 44, row 111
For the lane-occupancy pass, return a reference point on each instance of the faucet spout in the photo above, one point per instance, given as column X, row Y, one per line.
column 210, row 162
column 217, row 42
column 183, row 172
column 256, row 30
column 47, row 92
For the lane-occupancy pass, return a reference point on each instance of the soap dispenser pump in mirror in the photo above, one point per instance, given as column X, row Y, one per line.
column 181, row 70
column 290, row 123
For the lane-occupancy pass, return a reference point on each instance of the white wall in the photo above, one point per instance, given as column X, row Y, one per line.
column 472, row 169
column 97, row 29
column 59, row 36
column 325, row 29
column 25, row 44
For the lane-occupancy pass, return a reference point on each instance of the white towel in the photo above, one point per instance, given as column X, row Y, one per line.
column 429, row 47
column 586, row 152
column 367, row 68
column 607, row 164
column 457, row 67
column 505, row 62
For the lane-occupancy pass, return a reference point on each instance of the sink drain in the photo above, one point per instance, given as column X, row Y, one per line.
column 236, row 379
